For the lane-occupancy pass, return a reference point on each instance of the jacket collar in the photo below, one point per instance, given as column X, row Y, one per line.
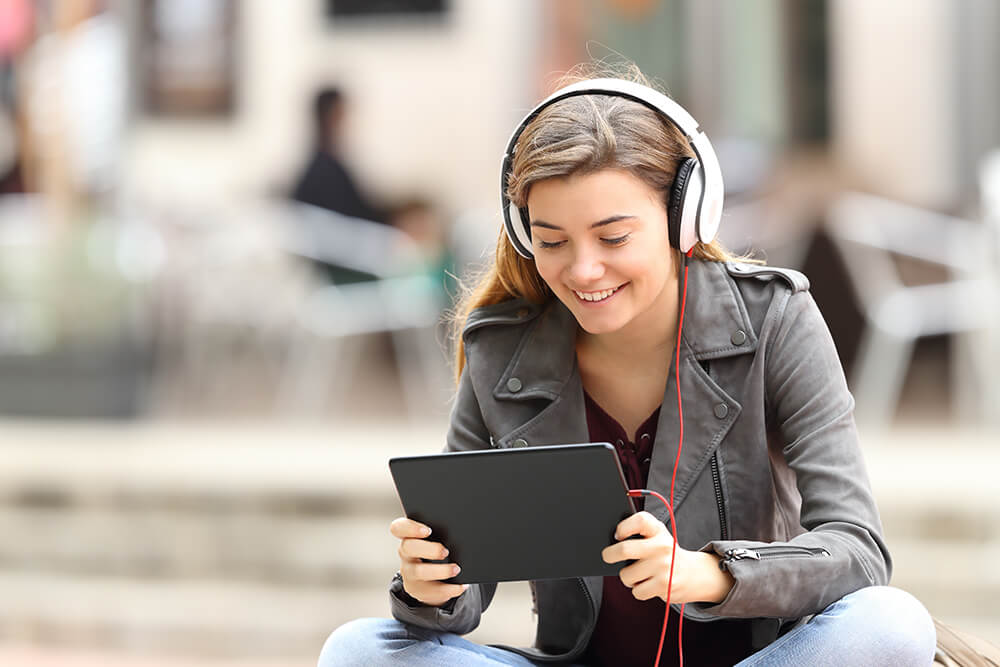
column 716, row 324
column 715, row 314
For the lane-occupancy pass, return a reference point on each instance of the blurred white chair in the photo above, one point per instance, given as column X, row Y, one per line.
column 989, row 188
column 401, row 300
column 871, row 234
column 22, row 232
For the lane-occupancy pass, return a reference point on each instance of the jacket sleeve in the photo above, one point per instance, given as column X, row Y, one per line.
column 462, row 614
column 842, row 549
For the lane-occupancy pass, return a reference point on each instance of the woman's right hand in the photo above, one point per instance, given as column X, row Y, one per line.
column 422, row 580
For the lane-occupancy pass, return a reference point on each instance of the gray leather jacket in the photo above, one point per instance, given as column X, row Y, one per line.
column 770, row 478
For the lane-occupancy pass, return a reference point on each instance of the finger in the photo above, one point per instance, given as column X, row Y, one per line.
column 640, row 523
column 404, row 527
column 613, row 554
column 413, row 549
column 648, row 589
column 632, row 549
column 639, row 571
column 432, row 571
column 452, row 590
column 438, row 594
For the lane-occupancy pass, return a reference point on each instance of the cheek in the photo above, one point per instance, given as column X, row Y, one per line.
column 548, row 269
column 645, row 270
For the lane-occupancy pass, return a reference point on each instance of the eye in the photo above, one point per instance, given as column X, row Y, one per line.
column 545, row 245
column 618, row 240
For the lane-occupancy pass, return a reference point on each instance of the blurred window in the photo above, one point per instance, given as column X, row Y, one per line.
column 337, row 8
column 763, row 75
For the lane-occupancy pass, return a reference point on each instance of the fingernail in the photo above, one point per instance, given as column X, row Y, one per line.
column 445, row 554
column 425, row 531
column 465, row 587
column 455, row 569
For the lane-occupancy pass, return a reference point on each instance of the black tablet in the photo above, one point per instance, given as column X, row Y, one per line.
column 518, row 514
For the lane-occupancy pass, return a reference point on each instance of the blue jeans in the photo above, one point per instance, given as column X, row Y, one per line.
column 879, row 625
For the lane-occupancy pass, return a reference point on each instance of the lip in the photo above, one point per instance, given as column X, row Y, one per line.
column 597, row 304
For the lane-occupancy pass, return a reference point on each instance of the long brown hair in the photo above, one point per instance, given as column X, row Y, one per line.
column 578, row 135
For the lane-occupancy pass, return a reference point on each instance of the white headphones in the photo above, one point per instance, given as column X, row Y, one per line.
column 695, row 206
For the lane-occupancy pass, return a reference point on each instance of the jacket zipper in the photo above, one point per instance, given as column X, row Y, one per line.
column 578, row 649
column 767, row 553
column 580, row 646
column 717, row 481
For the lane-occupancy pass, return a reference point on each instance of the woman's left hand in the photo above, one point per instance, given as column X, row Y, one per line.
column 697, row 577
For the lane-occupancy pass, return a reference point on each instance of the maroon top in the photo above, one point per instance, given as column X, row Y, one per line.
column 628, row 630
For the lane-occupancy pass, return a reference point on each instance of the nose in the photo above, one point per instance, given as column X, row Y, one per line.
column 586, row 268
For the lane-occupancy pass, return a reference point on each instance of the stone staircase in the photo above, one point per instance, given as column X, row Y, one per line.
column 246, row 542
column 212, row 541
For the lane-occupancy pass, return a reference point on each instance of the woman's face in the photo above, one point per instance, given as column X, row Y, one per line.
column 601, row 244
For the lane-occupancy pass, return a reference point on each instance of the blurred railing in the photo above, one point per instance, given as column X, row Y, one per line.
column 164, row 306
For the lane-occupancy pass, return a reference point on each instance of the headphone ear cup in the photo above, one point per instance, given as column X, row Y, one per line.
column 677, row 205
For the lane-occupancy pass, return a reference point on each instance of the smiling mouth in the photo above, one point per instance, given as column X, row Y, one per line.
column 594, row 297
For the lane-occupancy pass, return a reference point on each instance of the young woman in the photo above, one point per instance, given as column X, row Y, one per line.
column 611, row 315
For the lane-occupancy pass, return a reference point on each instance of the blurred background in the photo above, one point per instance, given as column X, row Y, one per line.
column 230, row 232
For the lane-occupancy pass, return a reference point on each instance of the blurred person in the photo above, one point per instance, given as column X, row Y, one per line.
column 10, row 158
column 326, row 181
column 619, row 302
column 16, row 33
column 417, row 218
column 76, row 106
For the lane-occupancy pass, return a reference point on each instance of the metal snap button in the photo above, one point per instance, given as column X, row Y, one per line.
column 514, row 385
column 619, row 443
column 520, row 442
column 721, row 410
column 738, row 338
column 644, row 436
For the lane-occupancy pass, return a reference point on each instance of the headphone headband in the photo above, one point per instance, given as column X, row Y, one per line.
column 709, row 207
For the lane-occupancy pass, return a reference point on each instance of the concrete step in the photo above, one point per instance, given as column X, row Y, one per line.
column 329, row 468
column 227, row 618
column 326, row 550
column 256, row 540
column 30, row 655
column 936, row 484
column 950, row 578
column 209, row 617
column 342, row 469
column 171, row 544
column 312, row 506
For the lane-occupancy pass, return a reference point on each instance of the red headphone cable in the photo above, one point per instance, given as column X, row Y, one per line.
column 636, row 493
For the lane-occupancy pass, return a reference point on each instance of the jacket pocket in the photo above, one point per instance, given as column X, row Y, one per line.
column 768, row 553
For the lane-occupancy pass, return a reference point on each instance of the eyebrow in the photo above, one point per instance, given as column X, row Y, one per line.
column 599, row 223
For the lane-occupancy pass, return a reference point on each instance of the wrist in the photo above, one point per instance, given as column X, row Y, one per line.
column 716, row 582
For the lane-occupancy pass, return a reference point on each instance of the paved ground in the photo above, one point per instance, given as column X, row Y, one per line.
column 936, row 489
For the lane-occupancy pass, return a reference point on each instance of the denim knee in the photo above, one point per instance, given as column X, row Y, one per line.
column 905, row 628
column 359, row 642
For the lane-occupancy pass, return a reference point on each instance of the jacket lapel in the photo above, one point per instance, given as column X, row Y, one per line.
column 544, row 366
column 705, row 426
column 716, row 324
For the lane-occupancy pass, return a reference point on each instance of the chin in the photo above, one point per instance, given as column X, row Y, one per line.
column 596, row 327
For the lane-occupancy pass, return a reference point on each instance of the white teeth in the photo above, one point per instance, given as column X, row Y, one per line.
column 596, row 296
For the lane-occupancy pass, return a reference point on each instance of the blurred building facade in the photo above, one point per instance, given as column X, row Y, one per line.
column 174, row 284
